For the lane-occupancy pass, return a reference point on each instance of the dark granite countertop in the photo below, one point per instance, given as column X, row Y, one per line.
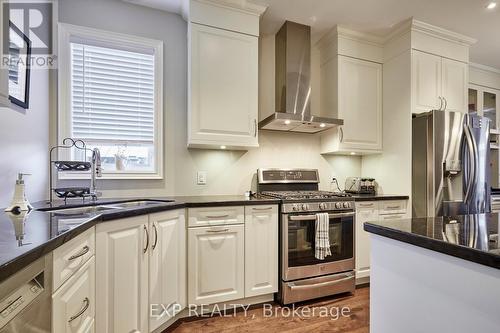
column 376, row 197
column 469, row 237
column 224, row 200
column 27, row 237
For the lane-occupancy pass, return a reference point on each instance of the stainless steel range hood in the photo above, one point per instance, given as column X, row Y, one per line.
column 293, row 84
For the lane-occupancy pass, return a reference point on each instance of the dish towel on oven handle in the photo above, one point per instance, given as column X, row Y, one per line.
column 322, row 238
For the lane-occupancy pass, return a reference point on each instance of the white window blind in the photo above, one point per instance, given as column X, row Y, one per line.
column 112, row 94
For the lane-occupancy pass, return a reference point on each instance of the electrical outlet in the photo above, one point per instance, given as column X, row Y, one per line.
column 201, row 178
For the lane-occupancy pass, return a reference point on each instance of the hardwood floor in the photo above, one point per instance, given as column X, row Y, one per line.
column 325, row 311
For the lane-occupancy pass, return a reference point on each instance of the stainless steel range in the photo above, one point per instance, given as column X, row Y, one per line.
column 302, row 275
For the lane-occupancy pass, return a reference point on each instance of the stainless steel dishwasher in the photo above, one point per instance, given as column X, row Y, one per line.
column 25, row 299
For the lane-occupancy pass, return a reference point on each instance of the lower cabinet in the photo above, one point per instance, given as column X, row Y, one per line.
column 140, row 264
column 367, row 211
column 122, row 275
column 216, row 264
column 167, row 266
column 73, row 305
column 261, row 250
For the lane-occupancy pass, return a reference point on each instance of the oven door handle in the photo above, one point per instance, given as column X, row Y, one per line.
column 293, row 286
column 313, row 216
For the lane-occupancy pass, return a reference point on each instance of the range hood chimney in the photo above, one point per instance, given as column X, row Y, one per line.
column 293, row 84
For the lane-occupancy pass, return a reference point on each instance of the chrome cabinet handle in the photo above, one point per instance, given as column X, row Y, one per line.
column 217, row 216
column 218, row 230
column 147, row 240
column 445, row 103
column 83, row 252
column 341, row 132
column 261, row 209
column 156, row 237
column 86, row 304
column 366, row 205
column 393, row 207
column 255, row 127
column 440, row 103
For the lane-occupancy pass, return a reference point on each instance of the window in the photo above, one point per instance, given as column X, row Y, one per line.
column 110, row 87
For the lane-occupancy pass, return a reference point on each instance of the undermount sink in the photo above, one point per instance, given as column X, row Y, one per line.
column 139, row 203
column 107, row 206
column 81, row 210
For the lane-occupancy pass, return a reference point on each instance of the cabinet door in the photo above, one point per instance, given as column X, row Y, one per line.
column 223, row 87
column 360, row 104
column 215, row 264
column 261, row 250
column 454, row 84
column 73, row 305
column 167, row 266
column 122, row 275
column 426, row 81
column 365, row 212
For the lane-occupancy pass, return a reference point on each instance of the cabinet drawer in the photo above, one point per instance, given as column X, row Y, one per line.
column 366, row 205
column 74, row 303
column 209, row 216
column 69, row 257
column 393, row 207
column 392, row 217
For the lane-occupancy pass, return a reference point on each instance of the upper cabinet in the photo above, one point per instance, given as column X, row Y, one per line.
column 351, row 89
column 4, row 73
column 223, row 75
column 439, row 83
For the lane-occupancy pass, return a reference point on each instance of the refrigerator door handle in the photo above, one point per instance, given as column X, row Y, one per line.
column 472, row 163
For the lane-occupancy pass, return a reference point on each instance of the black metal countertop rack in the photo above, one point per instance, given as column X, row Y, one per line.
column 68, row 166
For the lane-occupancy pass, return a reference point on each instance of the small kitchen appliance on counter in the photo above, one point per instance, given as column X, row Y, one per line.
column 302, row 276
column 360, row 185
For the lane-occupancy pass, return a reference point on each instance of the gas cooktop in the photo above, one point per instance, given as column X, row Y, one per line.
column 305, row 195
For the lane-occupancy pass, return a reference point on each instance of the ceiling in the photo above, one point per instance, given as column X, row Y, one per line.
column 468, row 17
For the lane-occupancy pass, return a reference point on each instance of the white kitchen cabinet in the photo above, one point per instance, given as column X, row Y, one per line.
column 365, row 212
column 167, row 265
column 73, row 305
column 216, row 264
column 427, row 81
column 439, row 83
column 122, row 275
column 455, row 84
column 223, row 88
column 358, row 91
column 261, row 250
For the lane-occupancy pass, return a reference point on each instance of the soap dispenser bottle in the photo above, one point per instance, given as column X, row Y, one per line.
column 19, row 201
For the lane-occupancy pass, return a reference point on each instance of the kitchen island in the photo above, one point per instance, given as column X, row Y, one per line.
column 435, row 274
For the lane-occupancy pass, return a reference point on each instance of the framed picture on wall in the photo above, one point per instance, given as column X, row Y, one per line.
column 19, row 67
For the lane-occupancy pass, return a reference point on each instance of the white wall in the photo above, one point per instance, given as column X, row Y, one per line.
column 24, row 136
column 229, row 172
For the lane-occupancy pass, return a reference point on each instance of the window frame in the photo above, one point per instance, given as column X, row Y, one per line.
column 69, row 32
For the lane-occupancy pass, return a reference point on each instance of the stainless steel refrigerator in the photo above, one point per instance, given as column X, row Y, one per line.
column 451, row 164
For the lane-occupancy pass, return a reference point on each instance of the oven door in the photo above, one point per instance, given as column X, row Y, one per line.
column 298, row 246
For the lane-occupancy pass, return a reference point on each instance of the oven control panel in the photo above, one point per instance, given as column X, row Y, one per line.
column 318, row 206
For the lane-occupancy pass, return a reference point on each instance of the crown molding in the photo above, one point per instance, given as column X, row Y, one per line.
column 473, row 65
column 413, row 25
column 243, row 6
column 339, row 31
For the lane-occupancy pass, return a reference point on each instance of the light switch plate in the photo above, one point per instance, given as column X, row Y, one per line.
column 201, row 178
